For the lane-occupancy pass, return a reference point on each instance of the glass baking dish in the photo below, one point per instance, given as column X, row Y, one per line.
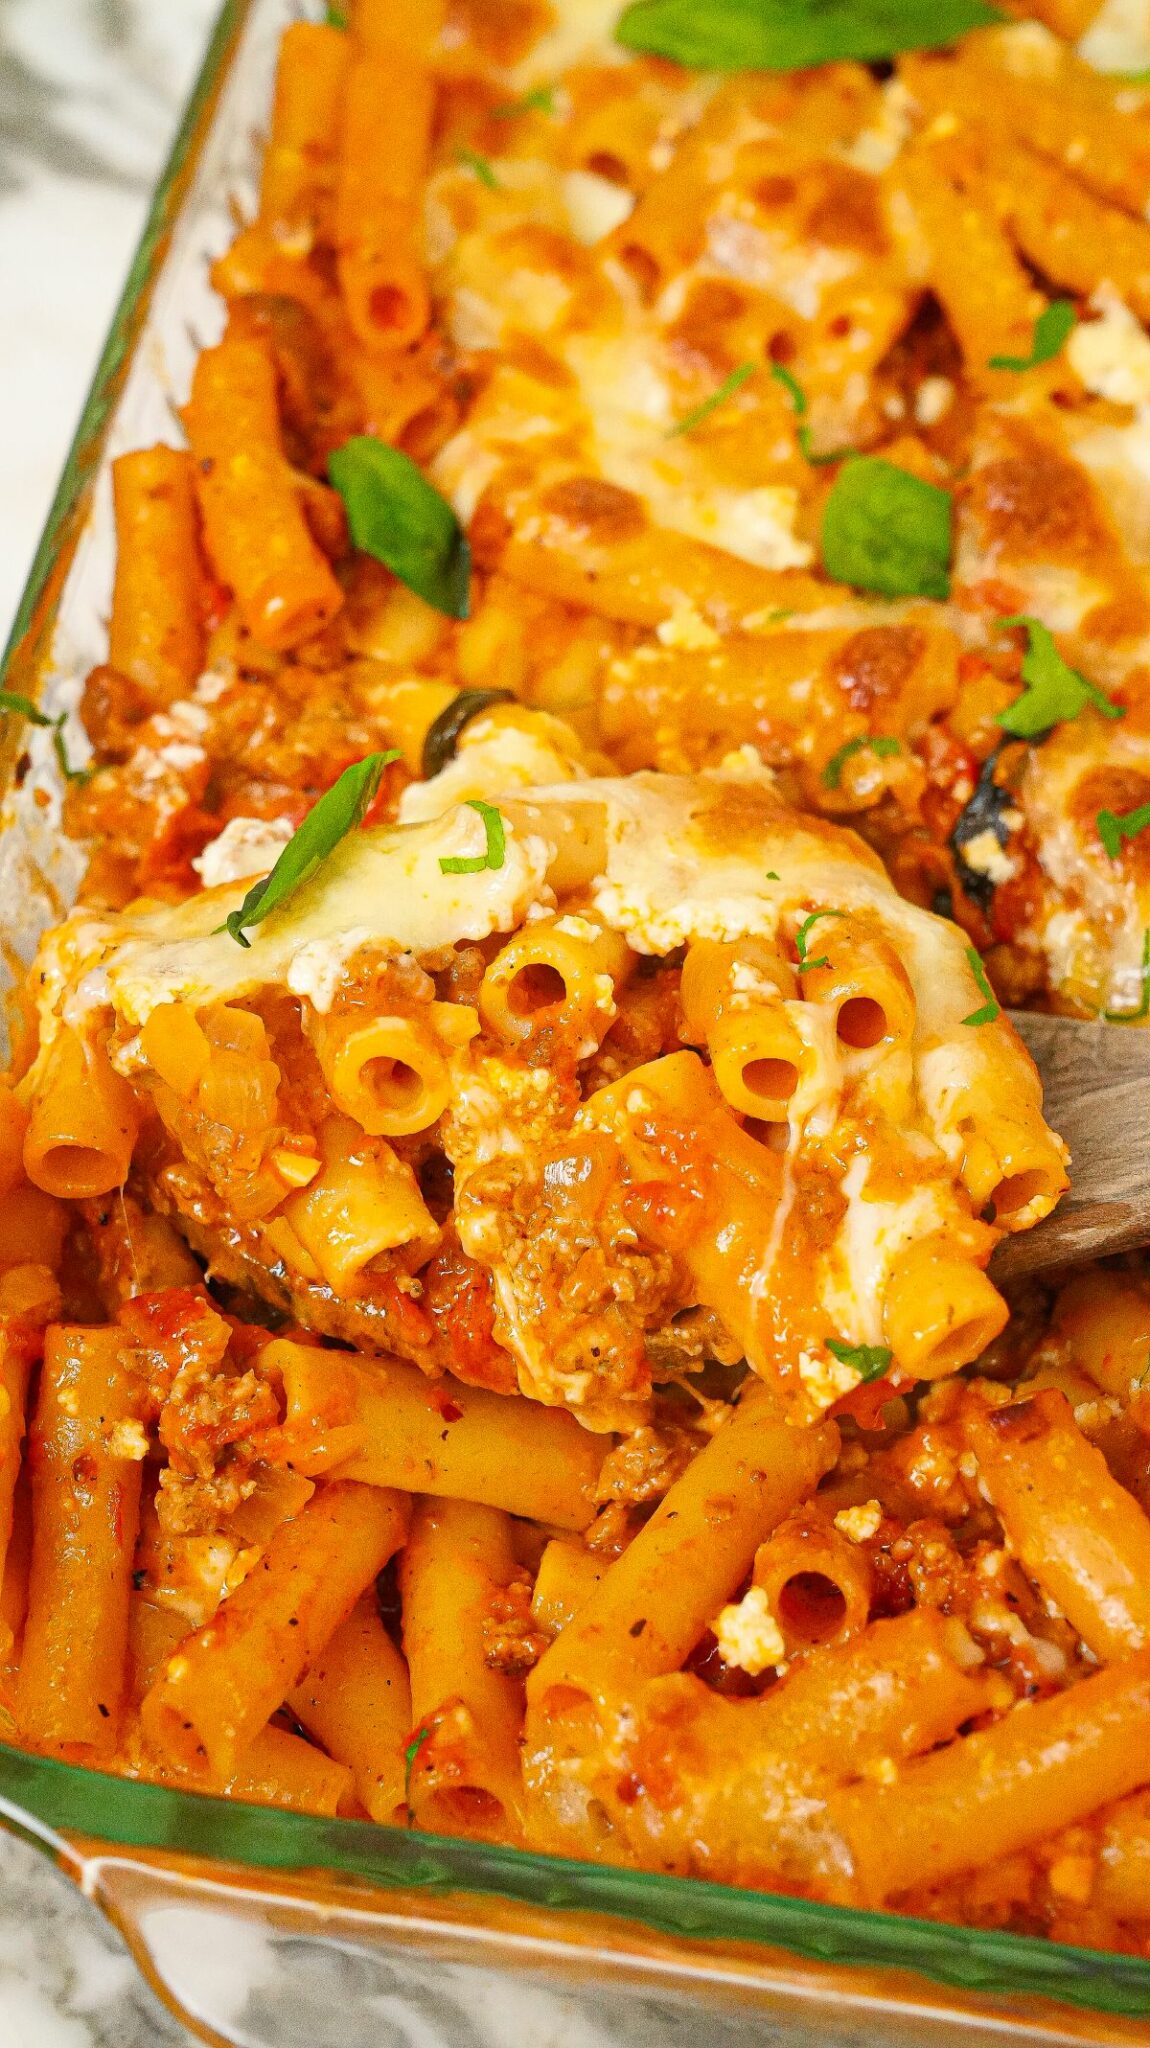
column 268, row 1928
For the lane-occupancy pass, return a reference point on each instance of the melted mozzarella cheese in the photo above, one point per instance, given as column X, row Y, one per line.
column 493, row 750
column 1111, row 353
column 595, row 206
column 629, row 408
column 580, row 29
column 874, row 1234
column 384, row 887
column 616, row 422
column 1093, row 934
column 246, row 846
column 663, row 860
column 1118, row 38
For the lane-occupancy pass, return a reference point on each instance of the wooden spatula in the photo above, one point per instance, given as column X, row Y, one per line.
column 1097, row 1083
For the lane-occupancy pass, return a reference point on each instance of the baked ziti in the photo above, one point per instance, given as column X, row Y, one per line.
column 633, row 658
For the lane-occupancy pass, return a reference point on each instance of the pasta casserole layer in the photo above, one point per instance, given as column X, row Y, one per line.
column 632, row 658
column 680, row 1052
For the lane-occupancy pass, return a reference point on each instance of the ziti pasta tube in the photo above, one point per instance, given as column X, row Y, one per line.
column 252, row 505
column 389, row 101
column 1082, row 1536
column 156, row 635
column 465, row 1777
column 356, row 1700
column 998, row 1791
column 223, row 1683
column 388, row 1425
column 86, row 1445
column 653, row 1604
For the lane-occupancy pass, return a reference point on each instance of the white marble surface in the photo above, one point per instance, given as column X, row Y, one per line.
column 90, row 91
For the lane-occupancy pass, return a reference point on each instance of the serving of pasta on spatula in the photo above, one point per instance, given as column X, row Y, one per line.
column 534, row 1300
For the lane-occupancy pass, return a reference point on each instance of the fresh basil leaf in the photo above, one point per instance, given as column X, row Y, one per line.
column 336, row 813
column 1052, row 330
column 990, row 1009
column 336, row 17
column 496, row 852
column 799, row 400
column 394, row 514
column 540, row 100
column 410, row 1754
column 23, row 707
column 727, row 389
column 881, row 745
column 792, row 35
column 1143, row 1010
column 807, row 451
column 69, row 773
column 1054, row 691
column 805, row 963
column 11, row 701
column 793, row 389
column 482, row 167
column 1115, row 826
column 872, row 1361
column 442, row 736
column 887, row 531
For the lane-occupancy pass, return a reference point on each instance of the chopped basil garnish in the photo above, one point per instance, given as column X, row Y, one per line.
column 726, row 389
column 805, row 963
column 336, row 16
column 887, row 531
column 1052, row 330
column 1143, row 1010
column 881, row 745
column 1054, row 691
column 336, row 813
column 472, row 161
column 23, row 707
column 792, row 35
column 442, row 736
column 990, row 1009
column 1115, row 826
column 870, row 1360
column 394, row 514
column 496, row 852
column 410, row 1754
column 540, row 100
column 801, row 403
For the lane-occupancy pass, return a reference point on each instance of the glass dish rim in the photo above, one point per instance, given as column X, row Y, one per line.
column 75, row 1799
column 46, row 1799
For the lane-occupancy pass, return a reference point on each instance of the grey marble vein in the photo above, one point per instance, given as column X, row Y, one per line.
column 66, row 1980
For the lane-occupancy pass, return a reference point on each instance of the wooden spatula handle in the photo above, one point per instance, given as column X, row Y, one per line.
column 1097, row 1094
